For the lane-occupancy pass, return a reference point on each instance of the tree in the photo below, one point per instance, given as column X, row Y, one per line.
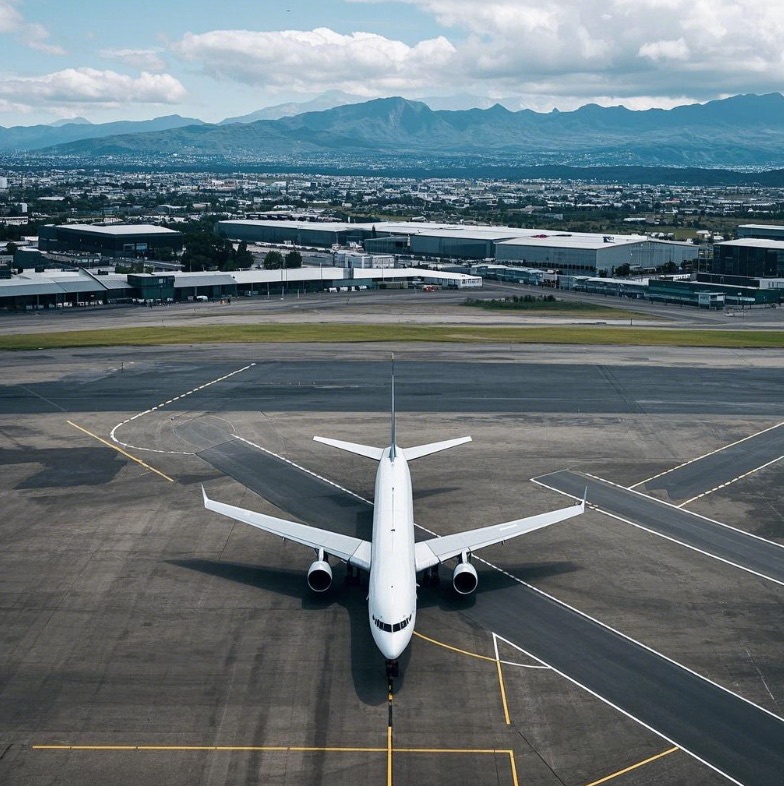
column 623, row 270
column 205, row 250
column 293, row 259
column 273, row 260
column 243, row 259
column 11, row 248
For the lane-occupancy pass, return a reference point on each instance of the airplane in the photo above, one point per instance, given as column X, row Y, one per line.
column 392, row 558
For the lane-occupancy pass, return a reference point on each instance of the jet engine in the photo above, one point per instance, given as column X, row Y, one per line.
column 464, row 578
column 320, row 576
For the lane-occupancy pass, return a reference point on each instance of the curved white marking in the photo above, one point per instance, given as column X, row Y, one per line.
column 113, row 432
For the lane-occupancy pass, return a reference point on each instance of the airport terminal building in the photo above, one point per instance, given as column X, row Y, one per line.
column 31, row 291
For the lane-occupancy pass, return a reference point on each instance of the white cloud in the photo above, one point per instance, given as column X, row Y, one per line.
column 32, row 34
column 308, row 61
column 146, row 59
column 585, row 48
column 665, row 50
column 90, row 87
column 10, row 19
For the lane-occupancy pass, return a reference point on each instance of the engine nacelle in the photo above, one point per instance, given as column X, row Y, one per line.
column 320, row 576
column 464, row 578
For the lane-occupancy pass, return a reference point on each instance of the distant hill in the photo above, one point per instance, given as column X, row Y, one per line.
column 25, row 138
column 743, row 131
column 328, row 100
column 66, row 121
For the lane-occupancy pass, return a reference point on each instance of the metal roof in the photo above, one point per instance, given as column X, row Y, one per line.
column 120, row 230
column 755, row 242
column 590, row 242
column 182, row 280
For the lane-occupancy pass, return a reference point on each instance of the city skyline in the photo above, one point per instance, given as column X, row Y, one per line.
column 111, row 61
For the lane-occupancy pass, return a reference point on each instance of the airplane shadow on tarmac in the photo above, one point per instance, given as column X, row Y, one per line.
column 367, row 665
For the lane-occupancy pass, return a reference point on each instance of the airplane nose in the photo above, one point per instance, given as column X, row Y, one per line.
column 393, row 645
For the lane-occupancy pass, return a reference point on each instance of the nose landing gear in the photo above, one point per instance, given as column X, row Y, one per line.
column 392, row 669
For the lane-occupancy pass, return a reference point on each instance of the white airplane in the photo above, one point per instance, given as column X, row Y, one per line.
column 392, row 558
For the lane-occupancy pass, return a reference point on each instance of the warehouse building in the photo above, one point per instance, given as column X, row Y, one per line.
column 324, row 234
column 763, row 231
column 749, row 258
column 113, row 241
column 591, row 255
column 576, row 253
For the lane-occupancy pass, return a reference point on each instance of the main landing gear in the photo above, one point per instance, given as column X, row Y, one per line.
column 392, row 669
column 430, row 577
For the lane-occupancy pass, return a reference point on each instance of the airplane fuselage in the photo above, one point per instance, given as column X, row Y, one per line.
column 392, row 586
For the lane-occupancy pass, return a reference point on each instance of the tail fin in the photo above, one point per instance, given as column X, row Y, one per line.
column 393, row 446
column 377, row 453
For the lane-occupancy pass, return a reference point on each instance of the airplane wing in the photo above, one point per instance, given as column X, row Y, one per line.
column 431, row 552
column 351, row 550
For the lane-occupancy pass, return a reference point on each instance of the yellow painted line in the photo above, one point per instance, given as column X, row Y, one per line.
column 633, row 766
column 120, row 450
column 507, row 719
column 454, row 649
column 267, row 748
column 485, row 751
column 512, row 764
column 308, row 749
column 279, row 748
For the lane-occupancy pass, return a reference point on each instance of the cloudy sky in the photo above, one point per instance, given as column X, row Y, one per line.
column 137, row 59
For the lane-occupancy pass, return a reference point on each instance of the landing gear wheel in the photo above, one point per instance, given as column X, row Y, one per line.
column 392, row 669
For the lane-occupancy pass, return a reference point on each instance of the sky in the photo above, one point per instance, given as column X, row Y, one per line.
column 107, row 60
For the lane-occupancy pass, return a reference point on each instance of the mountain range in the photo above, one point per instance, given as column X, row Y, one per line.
column 742, row 131
column 25, row 138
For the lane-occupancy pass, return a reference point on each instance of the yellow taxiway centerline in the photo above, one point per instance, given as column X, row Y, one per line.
column 454, row 649
column 120, row 450
column 633, row 766
column 389, row 755
column 507, row 719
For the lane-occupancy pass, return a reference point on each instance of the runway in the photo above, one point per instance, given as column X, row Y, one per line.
column 737, row 548
column 146, row 379
column 719, row 468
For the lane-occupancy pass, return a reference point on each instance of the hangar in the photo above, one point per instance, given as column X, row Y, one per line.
column 115, row 240
column 588, row 254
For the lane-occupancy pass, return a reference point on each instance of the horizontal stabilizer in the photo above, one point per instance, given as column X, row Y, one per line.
column 434, row 447
column 352, row 447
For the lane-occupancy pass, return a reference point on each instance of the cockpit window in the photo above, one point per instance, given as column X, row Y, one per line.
column 398, row 626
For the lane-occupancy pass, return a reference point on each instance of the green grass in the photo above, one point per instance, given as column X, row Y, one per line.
column 340, row 333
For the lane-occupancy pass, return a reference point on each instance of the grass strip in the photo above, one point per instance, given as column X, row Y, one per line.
column 342, row 333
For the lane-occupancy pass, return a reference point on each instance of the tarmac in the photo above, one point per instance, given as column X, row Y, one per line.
column 146, row 639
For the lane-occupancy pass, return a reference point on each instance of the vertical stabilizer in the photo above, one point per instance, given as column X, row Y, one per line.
column 392, row 448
